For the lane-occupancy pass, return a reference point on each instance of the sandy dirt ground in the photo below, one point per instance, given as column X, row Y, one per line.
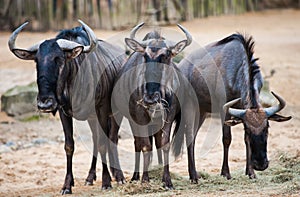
column 35, row 163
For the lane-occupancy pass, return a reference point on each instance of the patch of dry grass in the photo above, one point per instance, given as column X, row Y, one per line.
column 282, row 178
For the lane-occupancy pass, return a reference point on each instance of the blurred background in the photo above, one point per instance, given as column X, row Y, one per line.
column 119, row 14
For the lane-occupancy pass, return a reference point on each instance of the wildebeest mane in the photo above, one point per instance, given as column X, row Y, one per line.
column 255, row 82
column 152, row 35
column 75, row 34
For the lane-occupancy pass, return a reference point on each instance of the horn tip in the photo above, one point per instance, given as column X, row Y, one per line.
column 141, row 24
column 272, row 92
column 81, row 22
column 24, row 24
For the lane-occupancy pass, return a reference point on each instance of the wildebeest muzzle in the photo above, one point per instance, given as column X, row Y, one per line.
column 261, row 164
column 47, row 104
column 152, row 99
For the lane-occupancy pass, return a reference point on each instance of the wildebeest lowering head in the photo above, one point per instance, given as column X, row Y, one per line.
column 157, row 54
column 256, row 126
column 50, row 57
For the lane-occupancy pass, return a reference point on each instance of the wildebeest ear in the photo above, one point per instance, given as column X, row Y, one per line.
column 279, row 118
column 233, row 122
column 24, row 54
column 134, row 45
column 74, row 52
column 179, row 47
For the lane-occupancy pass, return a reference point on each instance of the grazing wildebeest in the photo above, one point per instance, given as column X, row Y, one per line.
column 69, row 69
column 219, row 73
column 146, row 92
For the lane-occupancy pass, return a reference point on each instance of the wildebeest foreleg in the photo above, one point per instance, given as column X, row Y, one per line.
column 226, row 139
column 67, row 124
column 165, row 146
column 136, row 173
column 146, row 149
column 249, row 168
column 141, row 143
column 157, row 139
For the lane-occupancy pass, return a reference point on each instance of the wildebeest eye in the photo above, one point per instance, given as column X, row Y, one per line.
column 168, row 53
column 165, row 58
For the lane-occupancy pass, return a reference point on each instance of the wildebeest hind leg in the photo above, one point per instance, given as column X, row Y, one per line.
column 103, row 144
column 92, row 172
column 113, row 152
column 191, row 133
column 106, row 179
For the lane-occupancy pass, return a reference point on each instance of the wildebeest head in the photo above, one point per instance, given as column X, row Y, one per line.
column 157, row 53
column 50, row 57
column 256, row 124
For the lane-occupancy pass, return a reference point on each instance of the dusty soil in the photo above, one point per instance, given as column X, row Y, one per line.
column 34, row 164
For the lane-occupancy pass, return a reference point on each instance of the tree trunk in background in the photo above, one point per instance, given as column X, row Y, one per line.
column 108, row 14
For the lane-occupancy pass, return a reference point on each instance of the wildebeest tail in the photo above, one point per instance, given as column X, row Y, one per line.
column 178, row 136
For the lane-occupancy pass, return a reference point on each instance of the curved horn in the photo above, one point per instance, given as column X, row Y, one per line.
column 67, row 44
column 239, row 113
column 189, row 37
column 92, row 37
column 274, row 109
column 135, row 29
column 13, row 37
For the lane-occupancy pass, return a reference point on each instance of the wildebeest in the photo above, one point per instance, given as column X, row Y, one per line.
column 146, row 92
column 70, row 67
column 219, row 73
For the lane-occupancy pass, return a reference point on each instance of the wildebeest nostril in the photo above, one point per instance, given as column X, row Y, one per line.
column 152, row 99
column 260, row 166
column 156, row 96
column 46, row 104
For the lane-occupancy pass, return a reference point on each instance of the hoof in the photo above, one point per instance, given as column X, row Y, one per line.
column 145, row 178
column 66, row 191
column 226, row 175
column 167, row 182
column 135, row 177
column 88, row 183
column 194, row 181
column 133, row 181
column 122, row 182
column 118, row 174
column 90, row 179
column 106, row 187
column 168, row 186
column 252, row 176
